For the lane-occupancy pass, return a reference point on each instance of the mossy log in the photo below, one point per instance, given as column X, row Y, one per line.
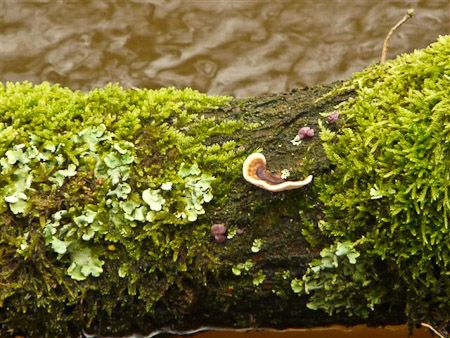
column 220, row 298
column 108, row 199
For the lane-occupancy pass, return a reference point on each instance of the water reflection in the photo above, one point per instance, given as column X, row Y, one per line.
column 222, row 47
column 335, row 331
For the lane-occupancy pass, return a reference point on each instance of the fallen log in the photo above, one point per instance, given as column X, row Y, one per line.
column 127, row 210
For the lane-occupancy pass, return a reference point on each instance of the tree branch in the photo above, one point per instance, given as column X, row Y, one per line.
column 409, row 14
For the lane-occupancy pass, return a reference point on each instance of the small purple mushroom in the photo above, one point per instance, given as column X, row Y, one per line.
column 218, row 229
column 240, row 231
column 333, row 116
column 305, row 132
column 220, row 238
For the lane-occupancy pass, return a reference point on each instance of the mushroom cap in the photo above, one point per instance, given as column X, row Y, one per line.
column 218, row 229
column 254, row 172
column 306, row 132
column 333, row 116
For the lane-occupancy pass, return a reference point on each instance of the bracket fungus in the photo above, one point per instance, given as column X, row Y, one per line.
column 255, row 172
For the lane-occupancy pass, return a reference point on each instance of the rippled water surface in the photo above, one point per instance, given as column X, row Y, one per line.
column 221, row 47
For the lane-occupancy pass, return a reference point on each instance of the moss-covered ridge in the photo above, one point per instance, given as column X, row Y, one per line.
column 105, row 190
column 386, row 202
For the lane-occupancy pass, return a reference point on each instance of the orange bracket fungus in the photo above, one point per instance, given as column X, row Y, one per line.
column 255, row 172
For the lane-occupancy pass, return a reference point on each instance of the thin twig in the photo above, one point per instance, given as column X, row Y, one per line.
column 409, row 14
column 432, row 329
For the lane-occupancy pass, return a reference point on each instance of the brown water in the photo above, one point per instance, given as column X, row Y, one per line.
column 222, row 47
column 241, row 48
column 335, row 331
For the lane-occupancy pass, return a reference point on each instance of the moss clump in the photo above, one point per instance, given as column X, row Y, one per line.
column 387, row 198
column 101, row 198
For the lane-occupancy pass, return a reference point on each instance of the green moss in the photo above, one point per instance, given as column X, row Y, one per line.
column 104, row 190
column 388, row 192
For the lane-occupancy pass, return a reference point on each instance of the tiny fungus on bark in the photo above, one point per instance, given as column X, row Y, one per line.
column 334, row 116
column 218, row 231
column 220, row 238
column 255, row 172
column 305, row 132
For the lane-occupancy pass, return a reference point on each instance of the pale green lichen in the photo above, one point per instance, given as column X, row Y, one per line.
column 335, row 282
column 296, row 141
column 241, row 268
column 153, row 199
column 259, row 278
column 83, row 263
column 285, row 173
column 60, row 175
column 257, row 245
